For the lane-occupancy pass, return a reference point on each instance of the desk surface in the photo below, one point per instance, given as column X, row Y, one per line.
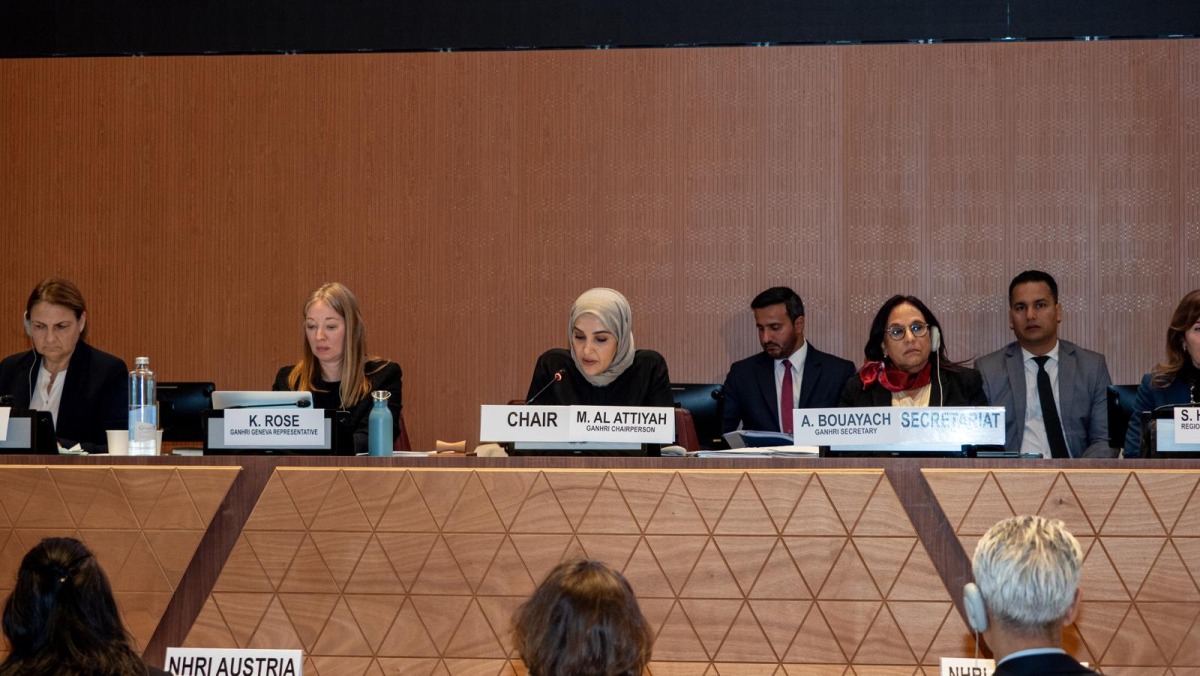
column 416, row 564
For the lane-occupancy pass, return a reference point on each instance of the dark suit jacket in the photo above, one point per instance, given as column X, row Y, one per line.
column 1051, row 664
column 95, row 395
column 962, row 387
column 383, row 375
column 1083, row 382
column 1149, row 398
column 749, row 389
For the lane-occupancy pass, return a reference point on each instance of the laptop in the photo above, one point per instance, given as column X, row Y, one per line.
column 1158, row 435
column 29, row 432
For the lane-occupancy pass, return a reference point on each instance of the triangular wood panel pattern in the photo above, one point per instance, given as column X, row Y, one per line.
column 739, row 571
column 143, row 523
column 1138, row 529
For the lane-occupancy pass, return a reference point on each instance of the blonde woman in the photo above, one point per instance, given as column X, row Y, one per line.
column 335, row 366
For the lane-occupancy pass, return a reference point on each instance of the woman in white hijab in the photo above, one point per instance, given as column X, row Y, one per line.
column 602, row 368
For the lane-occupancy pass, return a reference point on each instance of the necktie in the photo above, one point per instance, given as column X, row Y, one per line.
column 785, row 398
column 1054, row 431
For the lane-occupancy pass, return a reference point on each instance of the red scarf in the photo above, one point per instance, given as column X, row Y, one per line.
column 892, row 378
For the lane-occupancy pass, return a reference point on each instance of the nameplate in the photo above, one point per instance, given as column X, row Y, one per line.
column 633, row 424
column 227, row 661
column 627, row 424
column 966, row 666
column 4, row 411
column 1187, row 425
column 275, row 427
column 524, row 423
column 891, row 425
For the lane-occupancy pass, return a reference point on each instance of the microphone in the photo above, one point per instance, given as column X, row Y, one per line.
column 299, row 403
column 558, row 375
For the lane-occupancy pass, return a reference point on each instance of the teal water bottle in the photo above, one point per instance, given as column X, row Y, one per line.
column 379, row 425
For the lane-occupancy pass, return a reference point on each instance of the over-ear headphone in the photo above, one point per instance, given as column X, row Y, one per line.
column 935, row 338
column 976, row 609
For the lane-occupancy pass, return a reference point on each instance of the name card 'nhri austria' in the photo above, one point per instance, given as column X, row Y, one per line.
column 893, row 425
column 635, row 424
column 275, row 427
column 230, row 662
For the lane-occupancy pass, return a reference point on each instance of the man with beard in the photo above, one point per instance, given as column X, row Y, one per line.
column 1054, row 393
column 761, row 391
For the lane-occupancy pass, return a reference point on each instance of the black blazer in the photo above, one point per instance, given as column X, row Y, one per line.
column 95, row 395
column 645, row 383
column 962, row 386
column 749, row 389
column 1050, row 664
column 383, row 375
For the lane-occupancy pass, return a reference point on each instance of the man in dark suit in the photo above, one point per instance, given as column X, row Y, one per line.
column 1039, row 369
column 1026, row 590
column 761, row 391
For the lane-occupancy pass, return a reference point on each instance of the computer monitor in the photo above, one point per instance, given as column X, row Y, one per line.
column 1158, row 435
column 29, row 432
column 179, row 407
column 338, row 433
column 706, row 403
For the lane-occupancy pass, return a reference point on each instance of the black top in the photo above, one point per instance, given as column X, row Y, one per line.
column 95, row 395
column 644, row 383
column 383, row 375
column 963, row 387
column 1050, row 664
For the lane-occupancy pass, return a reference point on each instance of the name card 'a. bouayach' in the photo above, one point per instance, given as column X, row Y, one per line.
column 896, row 425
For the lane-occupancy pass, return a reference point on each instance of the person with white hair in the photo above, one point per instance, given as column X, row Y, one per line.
column 1026, row 590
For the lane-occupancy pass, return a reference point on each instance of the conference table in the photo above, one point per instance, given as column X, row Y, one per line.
column 741, row 565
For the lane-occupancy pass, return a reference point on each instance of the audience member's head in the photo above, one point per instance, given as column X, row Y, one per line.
column 583, row 620
column 1027, row 571
column 61, row 617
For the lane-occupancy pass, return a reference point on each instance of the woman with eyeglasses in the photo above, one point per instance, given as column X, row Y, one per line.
column 899, row 370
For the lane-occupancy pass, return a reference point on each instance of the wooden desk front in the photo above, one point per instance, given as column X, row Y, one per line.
column 743, row 566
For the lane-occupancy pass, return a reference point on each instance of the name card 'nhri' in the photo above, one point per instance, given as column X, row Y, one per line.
column 275, row 427
column 899, row 425
column 230, row 662
column 1187, row 425
column 634, row 424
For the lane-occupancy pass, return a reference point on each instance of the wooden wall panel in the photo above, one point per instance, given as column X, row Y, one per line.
column 469, row 197
column 144, row 524
column 737, row 570
column 1138, row 531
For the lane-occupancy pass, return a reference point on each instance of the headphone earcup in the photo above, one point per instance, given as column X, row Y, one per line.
column 975, row 608
column 935, row 339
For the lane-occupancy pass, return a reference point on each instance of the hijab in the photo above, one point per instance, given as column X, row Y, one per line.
column 611, row 308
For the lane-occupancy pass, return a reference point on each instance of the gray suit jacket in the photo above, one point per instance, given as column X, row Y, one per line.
column 1083, row 382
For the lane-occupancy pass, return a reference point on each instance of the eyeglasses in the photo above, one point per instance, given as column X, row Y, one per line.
column 918, row 329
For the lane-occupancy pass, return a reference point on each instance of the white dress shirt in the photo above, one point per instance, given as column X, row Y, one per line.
column 797, row 360
column 46, row 395
column 1035, row 440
